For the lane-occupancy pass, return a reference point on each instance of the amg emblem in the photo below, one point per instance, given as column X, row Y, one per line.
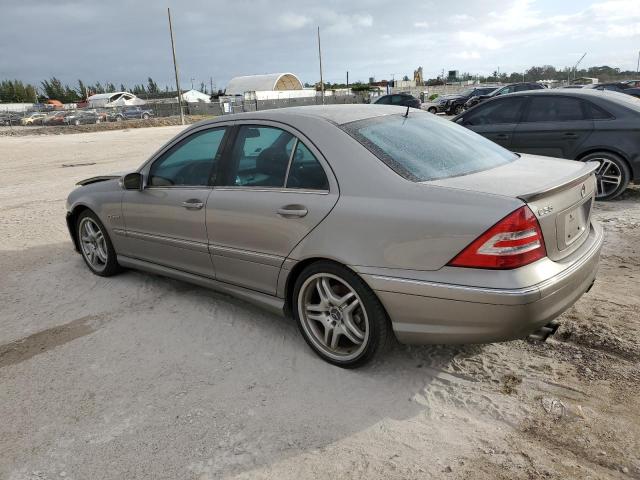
column 583, row 190
column 544, row 210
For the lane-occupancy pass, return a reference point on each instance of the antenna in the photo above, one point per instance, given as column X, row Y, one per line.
column 407, row 112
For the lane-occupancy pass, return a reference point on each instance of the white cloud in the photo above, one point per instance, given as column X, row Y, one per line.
column 467, row 55
column 421, row 24
column 479, row 40
column 293, row 21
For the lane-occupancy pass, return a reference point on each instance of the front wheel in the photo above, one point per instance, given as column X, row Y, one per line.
column 95, row 245
column 145, row 116
column 433, row 110
column 338, row 315
column 612, row 176
column 458, row 110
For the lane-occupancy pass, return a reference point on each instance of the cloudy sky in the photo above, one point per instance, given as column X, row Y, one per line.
column 127, row 41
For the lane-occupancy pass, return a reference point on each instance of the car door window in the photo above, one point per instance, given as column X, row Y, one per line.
column 192, row 162
column 555, row 109
column 384, row 100
column 505, row 110
column 260, row 157
column 305, row 171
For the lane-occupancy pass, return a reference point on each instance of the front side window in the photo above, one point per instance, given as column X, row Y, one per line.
column 422, row 147
column 384, row 100
column 554, row 109
column 193, row 162
column 260, row 156
column 504, row 110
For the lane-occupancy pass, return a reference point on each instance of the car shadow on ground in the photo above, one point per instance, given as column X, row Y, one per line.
column 173, row 375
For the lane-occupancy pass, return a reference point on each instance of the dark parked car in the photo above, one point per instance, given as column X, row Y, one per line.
column 583, row 125
column 511, row 88
column 400, row 99
column 82, row 117
column 128, row 113
column 622, row 87
column 10, row 119
column 454, row 104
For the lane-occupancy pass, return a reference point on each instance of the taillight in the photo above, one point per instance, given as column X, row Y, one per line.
column 513, row 242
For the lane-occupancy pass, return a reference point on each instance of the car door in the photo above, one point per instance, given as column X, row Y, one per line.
column 165, row 222
column 553, row 125
column 275, row 188
column 495, row 119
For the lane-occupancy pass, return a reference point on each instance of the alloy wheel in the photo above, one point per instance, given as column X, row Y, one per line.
column 93, row 244
column 333, row 316
column 608, row 177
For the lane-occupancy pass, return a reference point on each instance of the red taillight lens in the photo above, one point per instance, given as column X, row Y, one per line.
column 513, row 242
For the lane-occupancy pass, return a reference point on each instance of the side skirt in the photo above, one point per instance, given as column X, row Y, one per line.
column 269, row 302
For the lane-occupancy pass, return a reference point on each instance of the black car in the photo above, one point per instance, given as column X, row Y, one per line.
column 454, row 104
column 511, row 88
column 584, row 125
column 401, row 99
column 81, row 117
column 622, row 87
column 9, row 118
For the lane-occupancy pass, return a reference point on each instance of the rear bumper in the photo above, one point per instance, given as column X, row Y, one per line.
column 430, row 312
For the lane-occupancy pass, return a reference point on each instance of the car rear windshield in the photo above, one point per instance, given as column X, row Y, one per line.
column 422, row 147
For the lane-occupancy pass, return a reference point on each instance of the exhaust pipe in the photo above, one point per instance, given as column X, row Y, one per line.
column 545, row 332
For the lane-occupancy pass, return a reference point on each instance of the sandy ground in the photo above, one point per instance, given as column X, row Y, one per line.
column 138, row 376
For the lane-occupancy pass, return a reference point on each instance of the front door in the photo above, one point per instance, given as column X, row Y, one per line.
column 165, row 223
column 275, row 189
column 553, row 125
column 496, row 119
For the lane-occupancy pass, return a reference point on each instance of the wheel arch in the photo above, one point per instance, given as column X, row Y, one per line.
column 72, row 223
column 608, row 149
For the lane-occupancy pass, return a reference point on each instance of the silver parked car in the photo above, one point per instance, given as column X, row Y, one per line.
column 359, row 221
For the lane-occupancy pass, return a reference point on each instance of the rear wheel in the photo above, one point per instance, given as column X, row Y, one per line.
column 458, row 110
column 612, row 176
column 338, row 315
column 433, row 110
column 145, row 116
column 95, row 245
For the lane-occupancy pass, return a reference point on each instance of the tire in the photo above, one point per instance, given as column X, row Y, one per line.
column 458, row 110
column 104, row 261
column 350, row 325
column 145, row 116
column 433, row 110
column 119, row 118
column 76, row 123
column 612, row 176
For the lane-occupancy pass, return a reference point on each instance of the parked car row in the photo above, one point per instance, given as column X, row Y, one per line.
column 76, row 117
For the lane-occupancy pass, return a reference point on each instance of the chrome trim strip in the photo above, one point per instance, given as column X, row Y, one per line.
column 270, row 189
column 246, row 255
column 119, row 231
column 172, row 242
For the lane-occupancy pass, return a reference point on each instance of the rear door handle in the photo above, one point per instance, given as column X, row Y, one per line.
column 193, row 204
column 571, row 135
column 293, row 211
column 503, row 135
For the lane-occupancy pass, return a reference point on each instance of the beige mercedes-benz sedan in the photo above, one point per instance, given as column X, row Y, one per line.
column 361, row 222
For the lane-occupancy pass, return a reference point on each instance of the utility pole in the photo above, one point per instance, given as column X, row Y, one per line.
column 175, row 68
column 192, row 79
column 211, row 84
column 320, row 59
column 347, row 78
column 575, row 67
column 638, row 66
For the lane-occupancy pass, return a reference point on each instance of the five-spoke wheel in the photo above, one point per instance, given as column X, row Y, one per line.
column 612, row 176
column 95, row 245
column 339, row 316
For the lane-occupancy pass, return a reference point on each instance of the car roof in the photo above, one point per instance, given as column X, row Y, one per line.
column 621, row 99
column 337, row 114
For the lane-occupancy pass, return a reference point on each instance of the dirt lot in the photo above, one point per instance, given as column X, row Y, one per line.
column 138, row 376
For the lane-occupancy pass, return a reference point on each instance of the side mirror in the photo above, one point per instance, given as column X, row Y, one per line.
column 132, row 181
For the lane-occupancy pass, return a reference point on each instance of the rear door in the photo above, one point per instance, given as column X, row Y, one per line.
column 275, row 188
column 553, row 125
column 496, row 119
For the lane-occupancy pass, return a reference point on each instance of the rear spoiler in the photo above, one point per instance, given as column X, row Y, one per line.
column 581, row 175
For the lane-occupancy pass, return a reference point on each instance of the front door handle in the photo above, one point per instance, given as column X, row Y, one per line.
column 570, row 135
column 293, row 211
column 193, row 204
column 502, row 136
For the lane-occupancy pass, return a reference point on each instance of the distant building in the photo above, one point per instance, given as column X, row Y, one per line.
column 585, row 81
column 115, row 99
column 194, row 96
column 261, row 83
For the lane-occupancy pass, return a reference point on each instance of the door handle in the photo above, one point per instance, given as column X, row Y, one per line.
column 571, row 135
column 293, row 211
column 193, row 204
column 502, row 135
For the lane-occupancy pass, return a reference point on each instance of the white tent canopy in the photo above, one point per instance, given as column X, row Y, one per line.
column 257, row 83
column 194, row 96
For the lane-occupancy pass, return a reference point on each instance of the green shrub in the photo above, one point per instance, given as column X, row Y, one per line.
column 432, row 97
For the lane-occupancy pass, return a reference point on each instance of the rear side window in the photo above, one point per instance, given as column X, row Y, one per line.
column 597, row 113
column 422, row 147
column 305, row 171
column 555, row 109
column 504, row 110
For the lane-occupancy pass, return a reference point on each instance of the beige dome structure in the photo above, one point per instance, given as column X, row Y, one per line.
column 260, row 83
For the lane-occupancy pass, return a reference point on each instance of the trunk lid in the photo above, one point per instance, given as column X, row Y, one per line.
column 559, row 192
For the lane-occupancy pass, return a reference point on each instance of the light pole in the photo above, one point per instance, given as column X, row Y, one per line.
column 320, row 59
column 175, row 68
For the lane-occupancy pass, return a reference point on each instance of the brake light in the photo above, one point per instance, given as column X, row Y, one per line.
column 513, row 242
